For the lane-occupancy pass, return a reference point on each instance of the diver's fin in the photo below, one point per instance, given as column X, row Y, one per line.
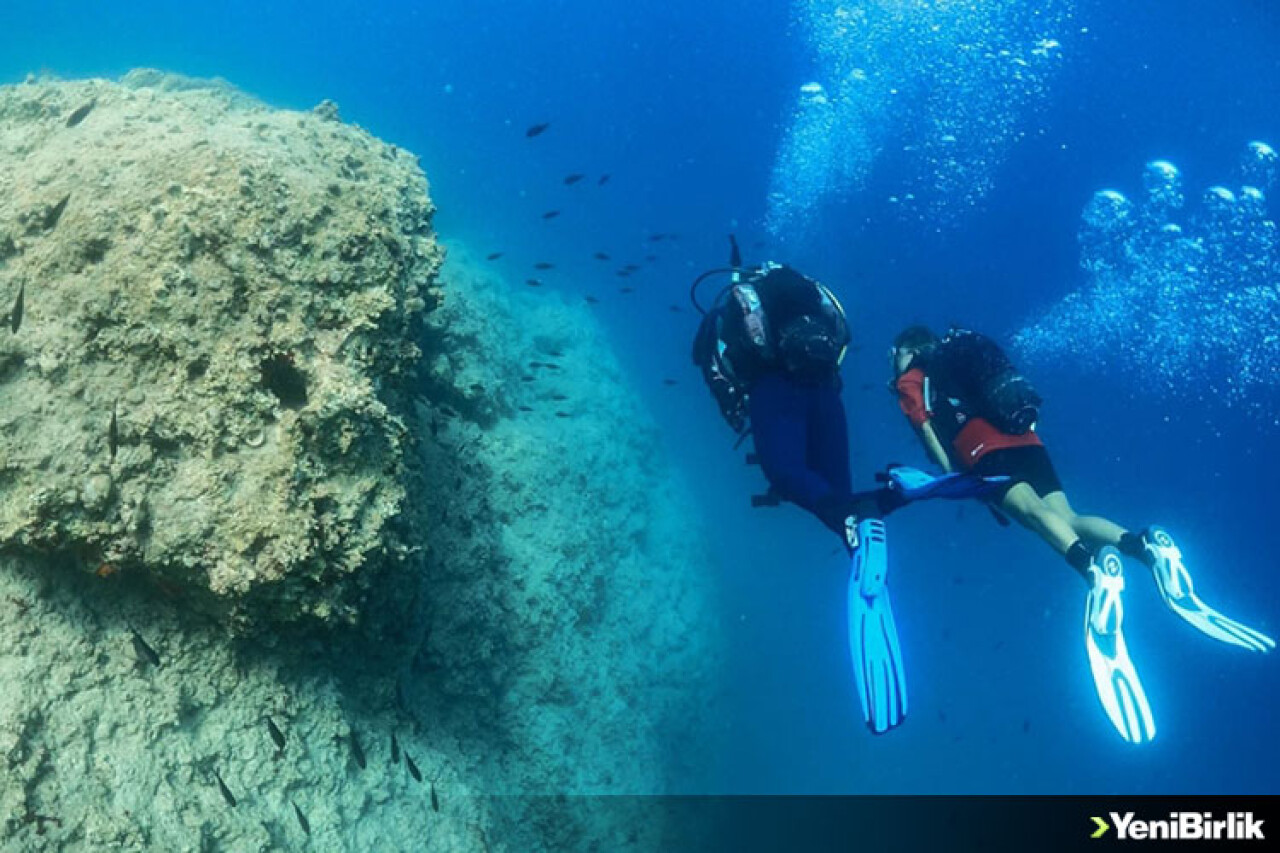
column 916, row 485
column 1177, row 591
column 1116, row 680
column 873, row 636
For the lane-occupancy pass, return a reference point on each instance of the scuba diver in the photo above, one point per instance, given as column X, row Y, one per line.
column 770, row 348
column 973, row 411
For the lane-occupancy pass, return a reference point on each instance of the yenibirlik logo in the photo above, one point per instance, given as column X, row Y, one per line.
column 1183, row 826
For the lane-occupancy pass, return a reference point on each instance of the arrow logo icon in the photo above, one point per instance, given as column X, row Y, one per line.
column 1102, row 828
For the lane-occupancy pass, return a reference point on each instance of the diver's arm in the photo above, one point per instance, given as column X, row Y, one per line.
column 933, row 447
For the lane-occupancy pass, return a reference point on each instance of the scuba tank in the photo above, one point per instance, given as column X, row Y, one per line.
column 976, row 377
column 766, row 318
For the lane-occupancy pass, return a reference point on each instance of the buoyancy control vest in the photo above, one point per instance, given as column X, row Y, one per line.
column 769, row 318
column 968, row 375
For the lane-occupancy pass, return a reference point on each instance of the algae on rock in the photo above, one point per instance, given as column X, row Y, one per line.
column 208, row 383
column 235, row 385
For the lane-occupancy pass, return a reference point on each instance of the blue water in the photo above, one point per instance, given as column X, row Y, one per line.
column 686, row 107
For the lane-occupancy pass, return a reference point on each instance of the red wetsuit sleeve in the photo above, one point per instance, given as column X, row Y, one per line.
column 911, row 397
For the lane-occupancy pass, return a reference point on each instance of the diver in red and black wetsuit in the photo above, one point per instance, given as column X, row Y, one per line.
column 974, row 412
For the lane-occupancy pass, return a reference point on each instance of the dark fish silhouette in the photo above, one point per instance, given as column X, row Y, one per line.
column 493, row 256
column 563, row 415
column 142, row 650
column 276, row 735
column 654, row 238
column 623, row 273
column 413, row 768
column 601, row 256
column 559, row 397
column 551, row 214
column 668, row 382
column 536, row 129
column 591, row 300
column 674, row 309
column 226, row 792
column 544, row 265
column 551, row 365
column 54, row 213
column 626, row 290
column 15, row 316
column 113, row 433
column 604, row 179
column 302, row 819
column 81, row 113
column 533, row 282
column 1026, row 726
column 526, row 408
column 650, row 258
column 435, row 801
column 570, row 180
column 527, row 378
column 357, row 752
column 631, row 267
column 395, row 749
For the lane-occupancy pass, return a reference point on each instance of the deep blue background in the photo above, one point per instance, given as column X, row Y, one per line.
column 684, row 105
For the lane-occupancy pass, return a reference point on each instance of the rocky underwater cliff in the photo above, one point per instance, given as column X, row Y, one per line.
column 304, row 538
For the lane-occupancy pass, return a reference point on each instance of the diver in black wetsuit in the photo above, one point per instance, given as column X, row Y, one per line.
column 770, row 349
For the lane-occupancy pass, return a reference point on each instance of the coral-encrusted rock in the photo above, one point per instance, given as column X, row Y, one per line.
column 213, row 307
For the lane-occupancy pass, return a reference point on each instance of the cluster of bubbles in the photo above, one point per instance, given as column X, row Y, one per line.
column 943, row 84
column 1182, row 299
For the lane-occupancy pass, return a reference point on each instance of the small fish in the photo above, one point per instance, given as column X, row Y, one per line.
column 226, row 792
column 551, row 365
column 413, row 768
column 54, row 213
column 15, row 316
column 1026, row 726
column 535, row 364
column 302, row 819
column 526, row 408
column 591, row 300
column 493, row 256
column 536, row 129
column 276, row 735
column 674, row 309
column 604, row 179
column 668, row 382
column 533, row 282
column 435, row 801
column 559, row 398
column 626, row 290
column 113, row 433
column 395, row 749
column 624, row 273
column 142, row 650
column 527, row 378
column 551, row 214
column 650, row 258
column 601, row 256
column 631, row 267
column 544, row 265
column 81, row 113
column 563, row 415
column 657, row 238
column 570, row 180
column 357, row 752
